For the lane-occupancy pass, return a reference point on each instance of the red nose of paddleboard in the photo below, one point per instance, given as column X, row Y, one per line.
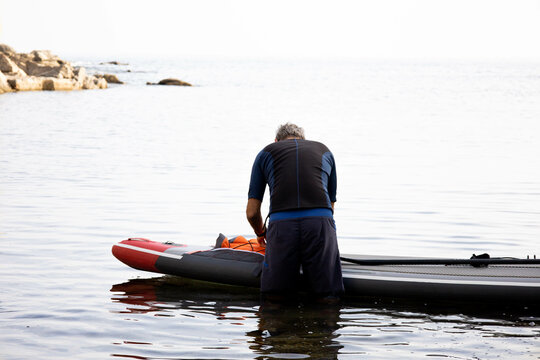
column 139, row 253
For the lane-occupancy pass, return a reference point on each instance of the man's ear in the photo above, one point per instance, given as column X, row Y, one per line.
column 275, row 140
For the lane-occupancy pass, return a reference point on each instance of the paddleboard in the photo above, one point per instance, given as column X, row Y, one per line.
column 238, row 261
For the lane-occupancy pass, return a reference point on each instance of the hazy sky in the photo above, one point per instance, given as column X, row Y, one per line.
column 372, row 28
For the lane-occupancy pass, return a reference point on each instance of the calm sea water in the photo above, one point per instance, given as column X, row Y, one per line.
column 434, row 159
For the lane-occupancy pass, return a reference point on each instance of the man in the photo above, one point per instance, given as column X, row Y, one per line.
column 301, row 176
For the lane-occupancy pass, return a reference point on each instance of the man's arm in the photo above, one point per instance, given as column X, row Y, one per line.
column 253, row 214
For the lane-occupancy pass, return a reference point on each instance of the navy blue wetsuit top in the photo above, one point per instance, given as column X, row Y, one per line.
column 301, row 174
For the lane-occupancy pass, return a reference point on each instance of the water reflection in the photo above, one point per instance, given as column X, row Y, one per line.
column 288, row 330
column 205, row 320
column 164, row 294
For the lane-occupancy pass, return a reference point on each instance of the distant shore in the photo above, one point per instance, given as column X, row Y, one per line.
column 40, row 70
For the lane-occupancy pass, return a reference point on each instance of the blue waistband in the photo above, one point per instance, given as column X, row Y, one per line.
column 294, row 214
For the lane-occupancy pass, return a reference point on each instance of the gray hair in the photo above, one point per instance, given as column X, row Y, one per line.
column 289, row 130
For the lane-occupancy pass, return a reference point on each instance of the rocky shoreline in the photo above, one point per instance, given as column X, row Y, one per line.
column 41, row 70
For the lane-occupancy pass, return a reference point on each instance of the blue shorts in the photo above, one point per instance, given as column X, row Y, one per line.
column 309, row 243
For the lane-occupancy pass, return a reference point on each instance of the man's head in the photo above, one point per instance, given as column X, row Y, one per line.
column 289, row 131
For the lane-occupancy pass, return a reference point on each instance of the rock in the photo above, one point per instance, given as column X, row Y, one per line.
column 8, row 66
column 43, row 55
column 101, row 83
column 6, row 49
column 4, row 86
column 113, row 63
column 79, row 77
column 20, row 60
column 49, row 69
column 110, row 78
column 88, row 84
column 92, row 82
column 28, row 83
column 41, row 70
column 79, row 73
column 170, row 81
column 59, row 84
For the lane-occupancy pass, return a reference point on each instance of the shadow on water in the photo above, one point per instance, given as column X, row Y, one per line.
column 304, row 329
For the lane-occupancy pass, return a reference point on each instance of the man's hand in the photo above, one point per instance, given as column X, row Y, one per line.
column 262, row 240
column 261, row 236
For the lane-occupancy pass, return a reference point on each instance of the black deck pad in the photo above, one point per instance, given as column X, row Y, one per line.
column 231, row 254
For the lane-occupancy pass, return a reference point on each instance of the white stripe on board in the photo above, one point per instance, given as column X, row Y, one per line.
column 148, row 251
column 441, row 281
